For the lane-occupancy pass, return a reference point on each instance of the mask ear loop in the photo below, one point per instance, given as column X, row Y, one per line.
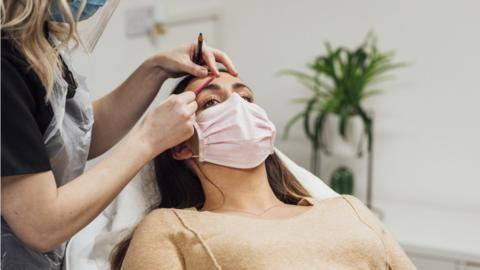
column 211, row 182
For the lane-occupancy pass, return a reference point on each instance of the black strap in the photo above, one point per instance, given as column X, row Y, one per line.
column 67, row 74
column 70, row 79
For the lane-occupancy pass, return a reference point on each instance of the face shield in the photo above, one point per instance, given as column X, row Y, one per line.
column 90, row 29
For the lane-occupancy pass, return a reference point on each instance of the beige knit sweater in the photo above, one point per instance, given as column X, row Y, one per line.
column 336, row 233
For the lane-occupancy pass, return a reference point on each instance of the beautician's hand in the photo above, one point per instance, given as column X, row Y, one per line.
column 178, row 61
column 168, row 125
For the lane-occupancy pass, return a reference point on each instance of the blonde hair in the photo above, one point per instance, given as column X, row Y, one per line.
column 24, row 21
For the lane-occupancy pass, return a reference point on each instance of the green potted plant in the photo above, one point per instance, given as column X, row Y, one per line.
column 342, row 180
column 340, row 81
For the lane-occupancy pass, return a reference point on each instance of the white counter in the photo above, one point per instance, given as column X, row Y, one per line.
column 440, row 235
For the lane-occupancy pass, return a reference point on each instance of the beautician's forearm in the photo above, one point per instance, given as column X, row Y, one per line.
column 43, row 216
column 84, row 198
column 118, row 111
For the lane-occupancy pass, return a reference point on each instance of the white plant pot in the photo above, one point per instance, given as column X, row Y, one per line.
column 348, row 146
column 344, row 151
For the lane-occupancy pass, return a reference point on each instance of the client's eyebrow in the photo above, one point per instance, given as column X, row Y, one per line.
column 241, row 85
column 235, row 86
column 211, row 86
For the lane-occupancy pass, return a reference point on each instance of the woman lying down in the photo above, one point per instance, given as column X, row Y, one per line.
column 228, row 202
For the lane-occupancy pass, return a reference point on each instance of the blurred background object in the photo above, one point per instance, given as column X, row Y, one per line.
column 426, row 123
column 342, row 79
column 342, row 181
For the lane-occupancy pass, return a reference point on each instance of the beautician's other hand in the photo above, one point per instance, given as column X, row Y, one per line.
column 168, row 125
column 178, row 61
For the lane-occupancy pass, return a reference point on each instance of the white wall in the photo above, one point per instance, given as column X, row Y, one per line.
column 427, row 132
column 115, row 57
column 427, row 129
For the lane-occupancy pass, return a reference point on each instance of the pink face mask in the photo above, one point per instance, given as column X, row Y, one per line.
column 234, row 133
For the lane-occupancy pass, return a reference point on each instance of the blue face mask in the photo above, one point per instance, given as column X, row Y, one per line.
column 90, row 8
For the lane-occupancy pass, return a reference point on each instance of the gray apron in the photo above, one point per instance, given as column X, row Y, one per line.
column 67, row 141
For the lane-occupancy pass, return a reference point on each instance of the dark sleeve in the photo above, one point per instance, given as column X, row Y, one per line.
column 23, row 150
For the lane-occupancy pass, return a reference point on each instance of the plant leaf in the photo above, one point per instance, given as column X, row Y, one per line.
column 319, row 123
column 307, row 80
column 290, row 123
column 343, row 121
column 370, row 93
column 306, row 119
column 368, row 127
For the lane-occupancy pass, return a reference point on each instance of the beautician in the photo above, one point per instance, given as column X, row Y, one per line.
column 50, row 127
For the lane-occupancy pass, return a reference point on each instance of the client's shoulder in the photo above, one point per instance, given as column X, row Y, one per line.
column 159, row 213
column 341, row 201
column 352, row 203
column 363, row 212
column 351, row 206
column 315, row 201
column 158, row 227
column 353, row 200
column 356, row 204
column 160, row 220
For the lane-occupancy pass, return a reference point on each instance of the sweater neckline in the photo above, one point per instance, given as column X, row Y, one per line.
column 305, row 201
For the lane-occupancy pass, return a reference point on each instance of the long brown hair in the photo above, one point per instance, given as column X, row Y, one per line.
column 180, row 187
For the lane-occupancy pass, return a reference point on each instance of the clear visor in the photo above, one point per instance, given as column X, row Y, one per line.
column 90, row 30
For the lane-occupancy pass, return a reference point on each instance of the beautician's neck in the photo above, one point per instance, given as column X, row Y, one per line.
column 245, row 190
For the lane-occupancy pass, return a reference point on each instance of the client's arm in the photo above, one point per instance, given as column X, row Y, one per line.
column 152, row 245
column 396, row 257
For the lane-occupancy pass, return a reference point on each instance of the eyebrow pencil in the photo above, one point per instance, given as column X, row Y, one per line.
column 207, row 82
column 197, row 58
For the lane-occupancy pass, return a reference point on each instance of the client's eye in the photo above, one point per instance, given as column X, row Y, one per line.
column 209, row 103
column 248, row 98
